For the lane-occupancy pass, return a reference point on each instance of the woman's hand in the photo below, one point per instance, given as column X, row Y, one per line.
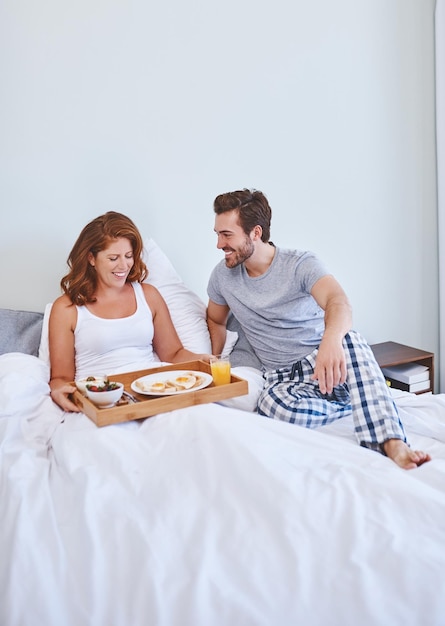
column 60, row 390
column 204, row 357
column 183, row 355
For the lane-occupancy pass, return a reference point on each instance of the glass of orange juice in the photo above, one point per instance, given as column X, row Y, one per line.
column 220, row 367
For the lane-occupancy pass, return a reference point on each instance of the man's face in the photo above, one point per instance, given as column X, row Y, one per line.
column 237, row 246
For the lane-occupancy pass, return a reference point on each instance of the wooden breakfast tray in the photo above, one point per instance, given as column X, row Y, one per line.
column 151, row 405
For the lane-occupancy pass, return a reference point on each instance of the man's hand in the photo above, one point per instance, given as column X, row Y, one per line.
column 330, row 365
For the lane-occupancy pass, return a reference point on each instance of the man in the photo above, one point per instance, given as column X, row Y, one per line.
column 298, row 320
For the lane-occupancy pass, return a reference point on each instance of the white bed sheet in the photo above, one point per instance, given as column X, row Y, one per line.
column 210, row 516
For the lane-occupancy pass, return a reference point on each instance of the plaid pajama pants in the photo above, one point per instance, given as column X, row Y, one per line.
column 290, row 395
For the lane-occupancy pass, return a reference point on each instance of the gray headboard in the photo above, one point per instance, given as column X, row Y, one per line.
column 20, row 331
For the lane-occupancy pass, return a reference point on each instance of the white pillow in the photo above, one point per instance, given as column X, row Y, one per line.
column 231, row 339
column 187, row 310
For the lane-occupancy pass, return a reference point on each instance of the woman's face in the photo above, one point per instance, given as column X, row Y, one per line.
column 113, row 264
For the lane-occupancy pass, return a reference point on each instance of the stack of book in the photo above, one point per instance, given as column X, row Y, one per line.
column 411, row 377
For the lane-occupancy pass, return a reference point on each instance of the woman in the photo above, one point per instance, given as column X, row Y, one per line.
column 108, row 320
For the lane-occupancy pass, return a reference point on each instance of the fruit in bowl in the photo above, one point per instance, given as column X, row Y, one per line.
column 104, row 394
column 91, row 380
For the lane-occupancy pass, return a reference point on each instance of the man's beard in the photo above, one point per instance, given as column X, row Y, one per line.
column 242, row 254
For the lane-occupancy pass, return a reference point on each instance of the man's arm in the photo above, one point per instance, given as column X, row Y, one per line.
column 330, row 366
column 217, row 315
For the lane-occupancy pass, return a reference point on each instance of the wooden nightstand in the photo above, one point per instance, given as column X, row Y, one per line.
column 390, row 353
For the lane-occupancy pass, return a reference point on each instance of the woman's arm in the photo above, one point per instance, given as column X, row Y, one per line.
column 62, row 323
column 166, row 342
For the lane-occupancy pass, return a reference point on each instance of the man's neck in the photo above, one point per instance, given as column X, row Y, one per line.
column 261, row 259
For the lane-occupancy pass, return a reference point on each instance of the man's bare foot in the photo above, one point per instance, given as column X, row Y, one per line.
column 399, row 452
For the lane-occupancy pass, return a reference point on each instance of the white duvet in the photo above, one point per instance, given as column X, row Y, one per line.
column 213, row 516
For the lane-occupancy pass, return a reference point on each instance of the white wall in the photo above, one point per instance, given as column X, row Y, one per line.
column 440, row 133
column 155, row 108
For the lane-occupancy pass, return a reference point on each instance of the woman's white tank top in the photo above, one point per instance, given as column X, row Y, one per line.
column 107, row 346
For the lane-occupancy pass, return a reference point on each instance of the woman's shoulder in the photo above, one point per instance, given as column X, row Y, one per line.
column 63, row 311
column 152, row 295
column 148, row 289
column 62, row 302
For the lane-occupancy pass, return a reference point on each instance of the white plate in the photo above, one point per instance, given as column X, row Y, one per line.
column 164, row 376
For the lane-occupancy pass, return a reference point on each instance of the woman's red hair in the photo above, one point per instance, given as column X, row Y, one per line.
column 81, row 281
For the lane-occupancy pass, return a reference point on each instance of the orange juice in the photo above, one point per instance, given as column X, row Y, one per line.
column 220, row 371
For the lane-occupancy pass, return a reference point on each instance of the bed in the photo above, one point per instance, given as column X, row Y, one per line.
column 209, row 515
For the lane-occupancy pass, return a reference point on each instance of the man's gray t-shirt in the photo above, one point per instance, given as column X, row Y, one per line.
column 276, row 311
